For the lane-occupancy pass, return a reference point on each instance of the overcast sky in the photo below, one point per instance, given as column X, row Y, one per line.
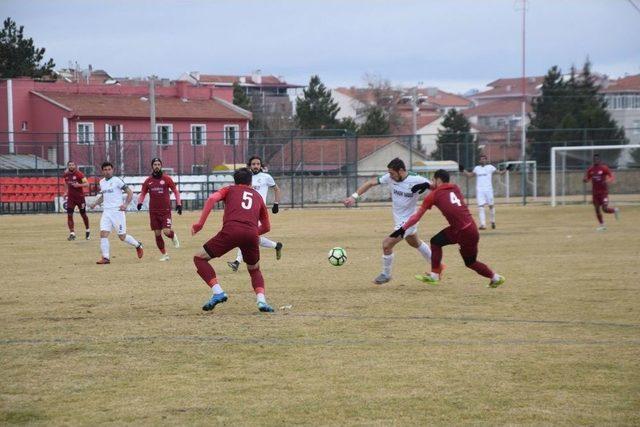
column 454, row 44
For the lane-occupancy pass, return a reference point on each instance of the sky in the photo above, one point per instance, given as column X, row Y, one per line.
column 456, row 45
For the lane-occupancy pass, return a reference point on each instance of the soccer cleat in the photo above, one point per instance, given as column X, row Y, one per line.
column 234, row 265
column 72, row 236
column 496, row 283
column 176, row 242
column 616, row 213
column 278, row 250
column 265, row 308
column 482, row 227
column 139, row 250
column 601, row 228
column 165, row 257
column 215, row 300
column 87, row 235
column 103, row 261
column 427, row 278
column 381, row 279
column 493, row 225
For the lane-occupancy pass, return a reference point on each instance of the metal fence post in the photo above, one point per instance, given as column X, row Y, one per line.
column 291, row 171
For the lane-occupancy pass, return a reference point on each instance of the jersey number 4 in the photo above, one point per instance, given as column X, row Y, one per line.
column 454, row 199
column 247, row 200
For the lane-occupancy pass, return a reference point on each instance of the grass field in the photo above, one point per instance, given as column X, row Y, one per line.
column 128, row 342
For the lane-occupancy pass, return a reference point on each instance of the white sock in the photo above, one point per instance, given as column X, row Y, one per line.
column 239, row 256
column 104, row 247
column 495, row 277
column 130, row 240
column 216, row 289
column 387, row 262
column 72, row 233
column 435, row 275
column 260, row 298
column 483, row 220
column 492, row 213
column 425, row 251
column 88, row 230
column 266, row 243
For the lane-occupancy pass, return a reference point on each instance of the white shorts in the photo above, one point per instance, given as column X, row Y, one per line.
column 484, row 197
column 113, row 220
column 409, row 231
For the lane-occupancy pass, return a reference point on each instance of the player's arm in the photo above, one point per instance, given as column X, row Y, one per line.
column 208, row 206
column 277, row 194
column 421, row 187
column 503, row 170
column 174, row 190
column 143, row 193
column 609, row 177
column 587, row 176
column 464, row 171
column 129, row 197
column 351, row 200
column 427, row 203
column 265, row 225
column 97, row 201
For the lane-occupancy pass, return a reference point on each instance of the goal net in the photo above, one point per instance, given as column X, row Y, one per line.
column 569, row 164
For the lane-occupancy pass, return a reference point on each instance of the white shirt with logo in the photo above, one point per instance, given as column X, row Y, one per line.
column 404, row 202
column 261, row 182
column 111, row 190
column 483, row 177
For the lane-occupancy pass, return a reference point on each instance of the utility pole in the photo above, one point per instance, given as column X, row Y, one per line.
column 414, row 119
column 523, row 135
column 152, row 115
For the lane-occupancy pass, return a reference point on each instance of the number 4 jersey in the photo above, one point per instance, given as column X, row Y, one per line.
column 448, row 198
column 242, row 205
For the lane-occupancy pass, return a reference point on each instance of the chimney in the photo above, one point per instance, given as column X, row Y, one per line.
column 182, row 88
column 256, row 76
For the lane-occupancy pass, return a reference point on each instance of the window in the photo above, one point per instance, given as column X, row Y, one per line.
column 85, row 133
column 87, row 170
column 231, row 134
column 165, row 134
column 636, row 127
column 198, row 135
column 24, row 126
column 198, row 169
column 113, row 133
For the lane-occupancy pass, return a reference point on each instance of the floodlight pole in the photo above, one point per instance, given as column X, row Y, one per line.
column 152, row 115
column 523, row 136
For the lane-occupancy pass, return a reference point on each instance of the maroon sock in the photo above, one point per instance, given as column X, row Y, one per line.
column 436, row 257
column 205, row 271
column 481, row 269
column 85, row 219
column 599, row 215
column 170, row 234
column 160, row 243
column 257, row 281
column 608, row 210
column 70, row 222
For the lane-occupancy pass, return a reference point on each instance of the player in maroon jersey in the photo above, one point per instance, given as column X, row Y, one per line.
column 599, row 174
column 245, row 219
column 158, row 186
column 461, row 230
column 74, row 196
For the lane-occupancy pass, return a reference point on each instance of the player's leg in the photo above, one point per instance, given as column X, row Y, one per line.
column 492, row 209
column 387, row 259
column 160, row 244
column 609, row 209
column 236, row 263
column 83, row 213
column 468, row 240
column 105, row 229
column 251, row 252
column 443, row 238
column 215, row 247
column 414, row 241
column 120, row 224
column 168, row 230
column 70, row 208
column 267, row 243
column 596, row 206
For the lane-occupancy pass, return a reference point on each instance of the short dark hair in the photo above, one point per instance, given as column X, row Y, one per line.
column 596, row 155
column 483, row 155
column 252, row 158
column 442, row 174
column 155, row 159
column 396, row 164
column 243, row 176
column 105, row 164
column 71, row 161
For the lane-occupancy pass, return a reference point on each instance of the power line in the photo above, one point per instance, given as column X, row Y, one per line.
column 635, row 6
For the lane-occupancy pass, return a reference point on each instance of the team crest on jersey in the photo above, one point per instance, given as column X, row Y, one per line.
column 162, row 182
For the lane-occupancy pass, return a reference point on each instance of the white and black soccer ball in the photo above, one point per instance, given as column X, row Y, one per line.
column 337, row 256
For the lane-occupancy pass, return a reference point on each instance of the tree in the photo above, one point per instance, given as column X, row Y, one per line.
column 376, row 123
column 349, row 124
column 316, row 109
column 455, row 141
column 571, row 112
column 18, row 55
column 381, row 94
column 240, row 98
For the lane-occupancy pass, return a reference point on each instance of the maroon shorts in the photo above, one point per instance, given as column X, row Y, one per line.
column 75, row 201
column 600, row 199
column 231, row 237
column 467, row 239
column 159, row 219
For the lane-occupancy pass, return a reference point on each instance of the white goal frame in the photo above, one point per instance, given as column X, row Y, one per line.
column 554, row 150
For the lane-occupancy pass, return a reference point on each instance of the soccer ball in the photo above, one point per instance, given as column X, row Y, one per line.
column 337, row 256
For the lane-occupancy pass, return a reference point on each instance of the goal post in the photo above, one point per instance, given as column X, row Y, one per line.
column 555, row 150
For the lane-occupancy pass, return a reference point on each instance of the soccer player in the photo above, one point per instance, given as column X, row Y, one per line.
column 245, row 219
column 462, row 230
column 111, row 188
column 158, row 186
column 261, row 182
column 74, row 196
column 599, row 174
column 404, row 188
column 484, row 188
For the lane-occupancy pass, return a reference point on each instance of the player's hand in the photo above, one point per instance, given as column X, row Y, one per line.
column 349, row 201
column 509, row 167
column 460, row 167
column 123, row 207
column 195, row 228
column 139, row 206
column 398, row 233
column 585, row 180
column 420, row 188
column 275, row 209
column 179, row 209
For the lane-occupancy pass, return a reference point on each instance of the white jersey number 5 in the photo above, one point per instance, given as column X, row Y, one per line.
column 454, row 199
column 247, row 200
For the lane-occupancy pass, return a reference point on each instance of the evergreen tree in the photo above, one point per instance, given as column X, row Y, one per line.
column 316, row 109
column 349, row 125
column 571, row 112
column 18, row 56
column 376, row 122
column 240, row 98
column 455, row 141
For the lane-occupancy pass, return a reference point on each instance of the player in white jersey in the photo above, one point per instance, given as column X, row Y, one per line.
column 404, row 188
column 261, row 182
column 484, row 189
column 111, row 188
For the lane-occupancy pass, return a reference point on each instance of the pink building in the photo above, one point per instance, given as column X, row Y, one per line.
column 196, row 128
